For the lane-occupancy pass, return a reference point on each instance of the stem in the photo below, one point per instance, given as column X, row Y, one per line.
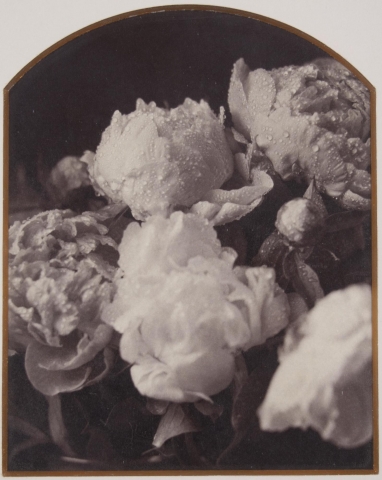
column 57, row 427
column 193, row 453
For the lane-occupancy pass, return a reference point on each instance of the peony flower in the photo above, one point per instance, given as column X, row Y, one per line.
column 155, row 159
column 184, row 312
column 60, row 278
column 311, row 121
column 300, row 221
column 70, row 173
column 324, row 379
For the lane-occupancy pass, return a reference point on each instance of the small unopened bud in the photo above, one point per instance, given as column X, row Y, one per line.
column 300, row 221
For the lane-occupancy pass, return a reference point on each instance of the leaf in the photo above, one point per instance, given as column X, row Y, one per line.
column 244, row 418
column 99, row 446
column 175, row 422
column 304, row 279
column 125, row 414
column 35, row 435
column 314, row 195
column 271, row 251
column 344, row 220
column 344, row 243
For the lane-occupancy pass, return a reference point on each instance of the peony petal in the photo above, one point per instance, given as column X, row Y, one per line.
column 237, row 99
column 353, row 201
column 232, row 211
column 69, row 358
column 52, row 382
column 223, row 206
column 174, row 422
column 260, row 90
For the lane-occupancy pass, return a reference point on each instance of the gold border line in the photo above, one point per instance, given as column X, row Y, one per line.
column 290, row 29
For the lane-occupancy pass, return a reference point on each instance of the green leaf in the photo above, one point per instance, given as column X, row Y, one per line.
column 34, row 435
column 175, row 422
column 304, row 279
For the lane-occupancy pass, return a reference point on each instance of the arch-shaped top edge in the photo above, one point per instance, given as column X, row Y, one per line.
column 169, row 8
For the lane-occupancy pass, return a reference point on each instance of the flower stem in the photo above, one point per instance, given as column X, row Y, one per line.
column 57, row 427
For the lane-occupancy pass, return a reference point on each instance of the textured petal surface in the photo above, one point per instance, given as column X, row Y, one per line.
column 324, row 380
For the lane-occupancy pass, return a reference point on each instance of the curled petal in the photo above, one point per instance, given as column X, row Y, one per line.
column 223, row 206
column 70, row 358
column 353, row 201
column 196, row 377
column 52, row 382
column 237, row 99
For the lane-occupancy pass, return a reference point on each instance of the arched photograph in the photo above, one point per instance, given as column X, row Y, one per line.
column 191, row 273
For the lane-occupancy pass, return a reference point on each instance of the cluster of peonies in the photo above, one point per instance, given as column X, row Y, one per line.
column 184, row 312
column 311, row 122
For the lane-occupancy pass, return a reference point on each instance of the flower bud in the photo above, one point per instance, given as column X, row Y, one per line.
column 300, row 221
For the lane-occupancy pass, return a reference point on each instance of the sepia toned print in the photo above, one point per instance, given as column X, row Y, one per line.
column 190, row 281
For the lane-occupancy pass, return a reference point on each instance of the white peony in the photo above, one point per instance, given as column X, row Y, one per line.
column 155, row 159
column 324, row 380
column 183, row 310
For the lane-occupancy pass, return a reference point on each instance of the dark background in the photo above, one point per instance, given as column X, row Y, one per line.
column 63, row 104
